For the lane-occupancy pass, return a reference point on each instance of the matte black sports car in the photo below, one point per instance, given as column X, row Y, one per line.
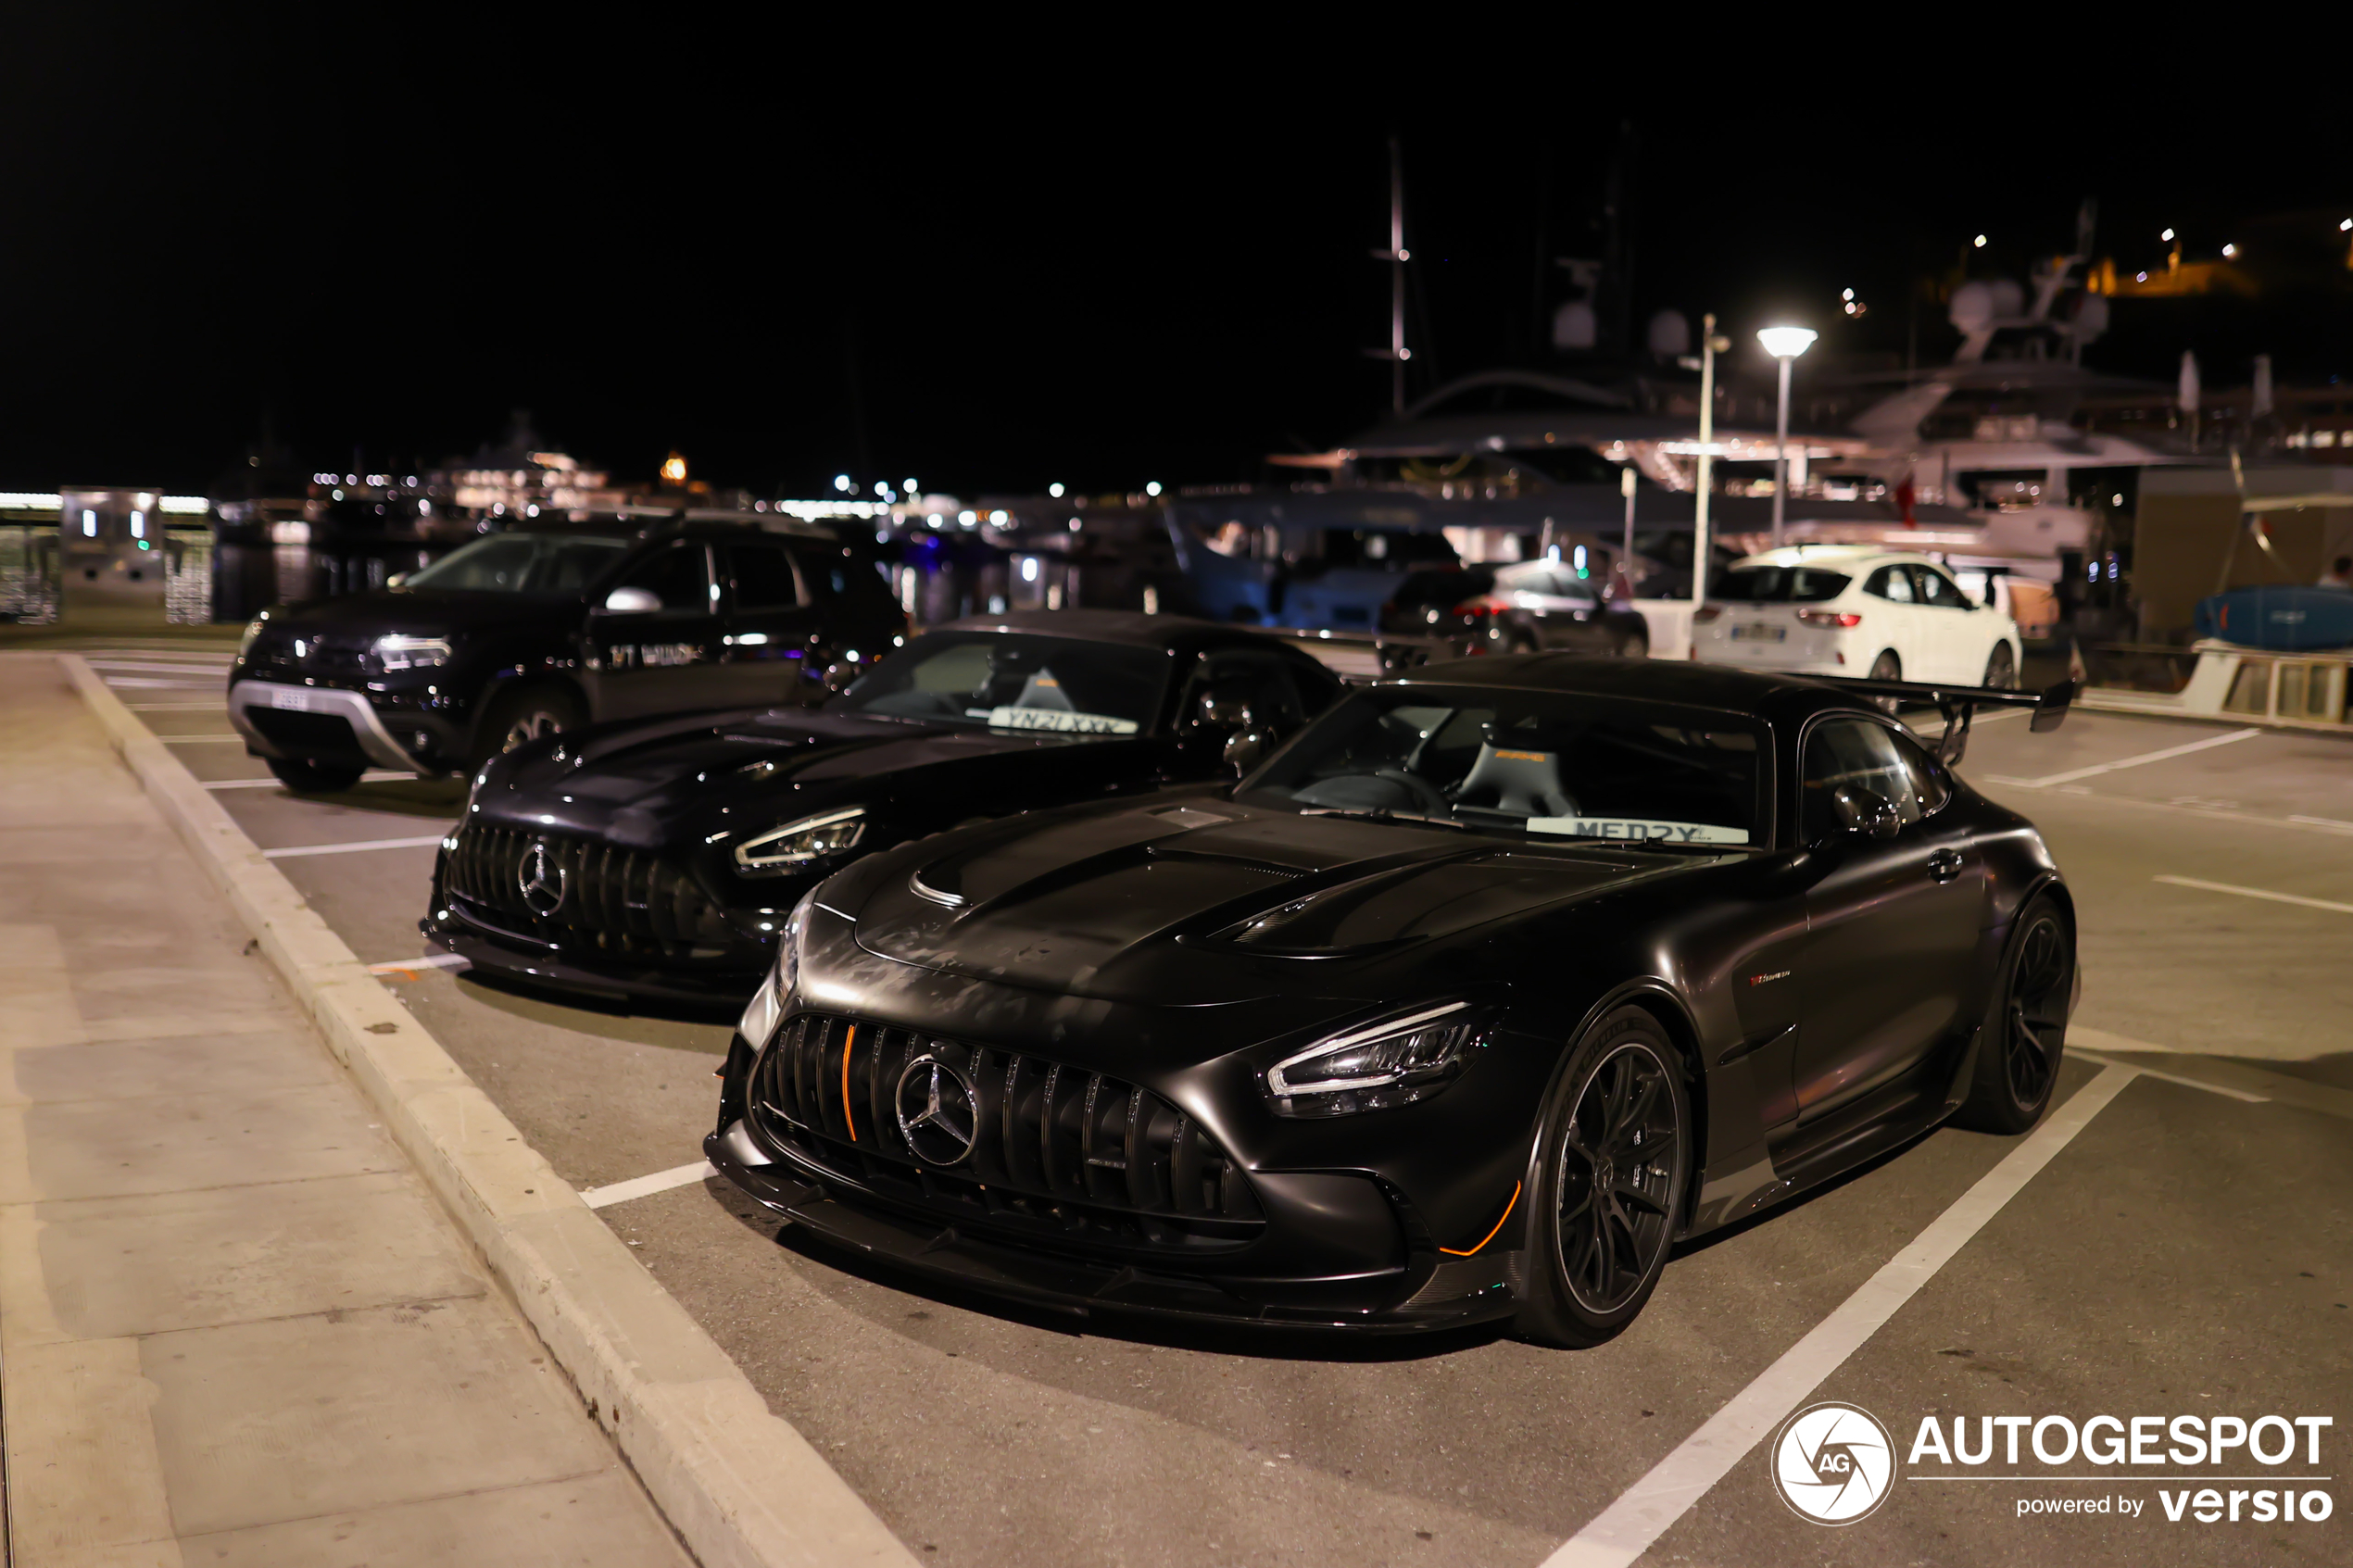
column 1466, row 1005
column 657, row 859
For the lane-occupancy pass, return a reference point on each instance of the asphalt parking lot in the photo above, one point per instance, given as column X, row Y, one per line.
column 2189, row 1250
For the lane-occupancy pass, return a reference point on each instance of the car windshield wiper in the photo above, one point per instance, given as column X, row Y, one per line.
column 1382, row 815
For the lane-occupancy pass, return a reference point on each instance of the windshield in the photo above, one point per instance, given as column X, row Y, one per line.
column 523, row 563
column 1422, row 590
column 1541, row 762
column 1014, row 681
column 1779, row 584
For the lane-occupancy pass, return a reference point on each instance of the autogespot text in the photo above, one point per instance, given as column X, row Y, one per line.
column 2055, row 1449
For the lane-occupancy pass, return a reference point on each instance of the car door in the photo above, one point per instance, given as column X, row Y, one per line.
column 1895, row 620
column 1891, row 925
column 1950, row 627
column 771, row 649
column 1568, row 612
column 663, row 658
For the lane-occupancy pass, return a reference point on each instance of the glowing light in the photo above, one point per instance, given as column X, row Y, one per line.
column 967, row 519
column 2343, row 226
column 2167, row 236
column 1786, row 342
column 999, row 518
column 1578, row 559
column 1029, row 568
column 841, row 482
column 1980, row 241
column 2229, row 251
column 1153, row 488
column 28, row 501
column 674, row 469
column 184, row 506
column 909, row 487
column 1074, row 525
column 138, row 525
column 1846, row 293
column 89, row 525
column 1055, row 490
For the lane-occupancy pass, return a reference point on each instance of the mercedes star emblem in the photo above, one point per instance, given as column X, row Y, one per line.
column 541, row 877
column 937, row 1113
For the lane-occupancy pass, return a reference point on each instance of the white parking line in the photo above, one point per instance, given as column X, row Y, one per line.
column 2322, row 822
column 646, row 1187
column 1644, row 1510
column 2146, row 758
column 2181, row 1079
column 351, row 849
column 274, row 784
column 408, row 968
column 182, row 667
column 176, row 740
column 2257, row 893
column 175, row 706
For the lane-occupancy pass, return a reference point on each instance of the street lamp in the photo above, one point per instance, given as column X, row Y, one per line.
column 1784, row 344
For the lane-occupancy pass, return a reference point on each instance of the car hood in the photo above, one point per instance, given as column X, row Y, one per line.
column 424, row 612
column 1210, row 901
column 643, row 784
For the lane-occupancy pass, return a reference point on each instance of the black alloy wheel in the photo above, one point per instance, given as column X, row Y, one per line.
column 1886, row 667
column 2001, row 670
column 521, row 717
column 2025, row 1031
column 1609, row 1183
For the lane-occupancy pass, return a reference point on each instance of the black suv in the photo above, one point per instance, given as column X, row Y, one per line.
column 545, row 628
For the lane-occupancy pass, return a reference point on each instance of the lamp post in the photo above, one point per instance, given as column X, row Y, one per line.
column 1784, row 344
column 1710, row 345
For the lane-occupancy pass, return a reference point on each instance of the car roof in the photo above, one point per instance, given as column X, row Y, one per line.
column 1850, row 555
column 1168, row 633
column 1779, row 699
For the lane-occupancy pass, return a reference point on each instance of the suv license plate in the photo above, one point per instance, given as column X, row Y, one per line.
column 1760, row 634
column 298, row 701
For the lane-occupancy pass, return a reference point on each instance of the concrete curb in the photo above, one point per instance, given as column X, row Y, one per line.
column 741, row 1486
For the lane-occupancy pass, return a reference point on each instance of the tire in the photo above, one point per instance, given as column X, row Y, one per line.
column 1633, row 644
column 2001, row 669
column 1886, row 667
column 522, row 716
column 314, row 778
column 1620, row 1104
column 2025, row 1031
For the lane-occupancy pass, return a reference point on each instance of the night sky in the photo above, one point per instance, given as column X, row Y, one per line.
column 995, row 261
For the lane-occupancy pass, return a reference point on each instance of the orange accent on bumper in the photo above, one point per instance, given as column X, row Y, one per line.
column 1467, row 1251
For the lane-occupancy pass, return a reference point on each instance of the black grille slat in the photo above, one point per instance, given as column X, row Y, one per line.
column 1084, row 1155
column 625, row 902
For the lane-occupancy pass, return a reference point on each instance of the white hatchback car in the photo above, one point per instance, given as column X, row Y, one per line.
column 1854, row 610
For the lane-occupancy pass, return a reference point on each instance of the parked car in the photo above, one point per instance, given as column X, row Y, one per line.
column 1514, row 609
column 539, row 629
column 1466, row 1005
column 1854, row 610
column 657, row 859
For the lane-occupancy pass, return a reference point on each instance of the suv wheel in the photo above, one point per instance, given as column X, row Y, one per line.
column 313, row 778
column 521, row 717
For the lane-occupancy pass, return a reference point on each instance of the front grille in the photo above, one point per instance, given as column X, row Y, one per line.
column 324, row 738
column 1060, row 1155
column 618, row 903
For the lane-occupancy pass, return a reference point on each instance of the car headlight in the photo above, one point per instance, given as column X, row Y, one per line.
column 1395, row 1063
column 253, row 629
column 767, row 1005
column 397, row 652
column 796, row 845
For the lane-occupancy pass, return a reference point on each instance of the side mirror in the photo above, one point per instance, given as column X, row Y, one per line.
column 632, row 601
column 1243, row 748
column 1866, row 812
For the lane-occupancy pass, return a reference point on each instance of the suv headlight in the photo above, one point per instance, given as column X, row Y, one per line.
column 1394, row 1062
column 766, row 1009
column 397, row 652
column 796, row 845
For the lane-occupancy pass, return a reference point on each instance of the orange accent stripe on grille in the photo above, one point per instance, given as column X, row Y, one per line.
column 847, row 1040
column 1483, row 1240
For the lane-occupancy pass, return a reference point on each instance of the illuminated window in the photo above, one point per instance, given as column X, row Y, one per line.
column 89, row 525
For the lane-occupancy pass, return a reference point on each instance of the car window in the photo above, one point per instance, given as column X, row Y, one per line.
column 825, row 573
column 1262, row 681
column 1779, row 584
column 1858, row 754
column 1014, row 681
column 523, row 563
column 1543, row 764
column 1929, row 780
column 678, row 574
column 763, row 577
column 1938, row 589
column 1890, row 583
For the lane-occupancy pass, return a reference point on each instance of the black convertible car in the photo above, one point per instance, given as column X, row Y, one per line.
column 1464, row 1005
column 657, row 859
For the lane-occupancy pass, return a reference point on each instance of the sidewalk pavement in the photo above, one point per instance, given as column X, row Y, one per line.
column 234, row 1327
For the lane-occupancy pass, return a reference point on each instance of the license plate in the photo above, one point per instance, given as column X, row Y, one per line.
column 298, row 701
column 1760, row 634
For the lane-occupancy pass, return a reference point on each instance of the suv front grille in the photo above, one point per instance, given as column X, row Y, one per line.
column 1058, row 1154
column 622, row 903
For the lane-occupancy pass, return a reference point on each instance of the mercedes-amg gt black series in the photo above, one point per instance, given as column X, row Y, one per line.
column 1464, row 1005
column 656, row 860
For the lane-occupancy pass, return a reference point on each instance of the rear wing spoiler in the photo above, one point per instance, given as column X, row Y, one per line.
column 1959, row 703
